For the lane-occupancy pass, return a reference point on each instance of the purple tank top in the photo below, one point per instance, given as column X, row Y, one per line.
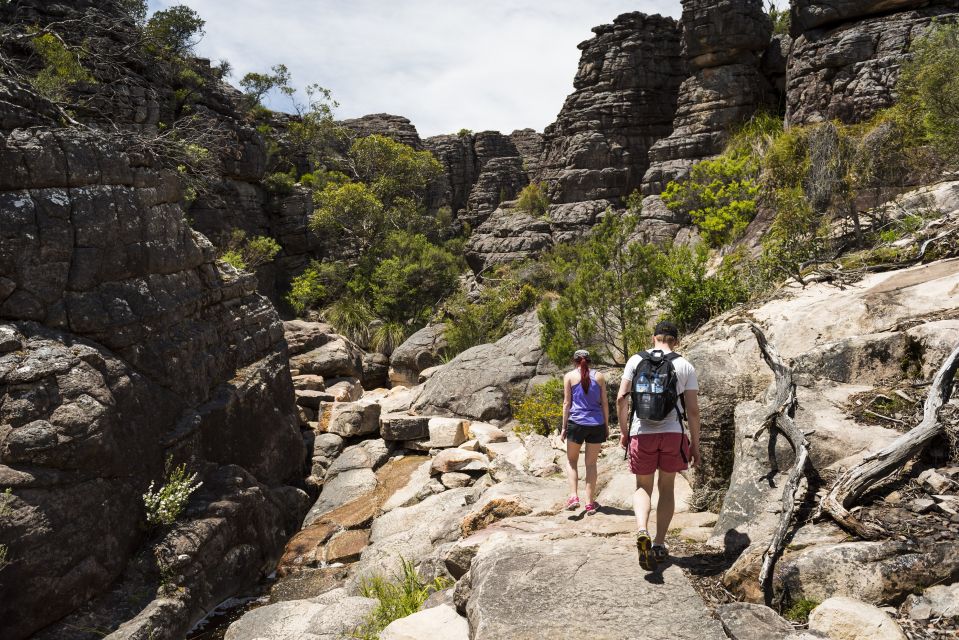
column 587, row 408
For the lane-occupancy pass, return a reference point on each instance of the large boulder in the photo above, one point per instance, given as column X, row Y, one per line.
column 850, row 619
column 420, row 351
column 336, row 358
column 351, row 419
column 331, row 616
column 479, row 382
column 429, row 624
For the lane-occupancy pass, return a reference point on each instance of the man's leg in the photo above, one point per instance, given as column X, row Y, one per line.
column 666, row 504
column 592, row 455
column 642, row 500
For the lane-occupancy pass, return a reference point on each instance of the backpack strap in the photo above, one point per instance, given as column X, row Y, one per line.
column 680, row 403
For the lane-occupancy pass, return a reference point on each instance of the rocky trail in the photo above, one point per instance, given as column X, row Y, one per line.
column 465, row 500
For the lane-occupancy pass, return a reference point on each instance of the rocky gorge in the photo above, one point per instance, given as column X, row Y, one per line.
column 128, row 348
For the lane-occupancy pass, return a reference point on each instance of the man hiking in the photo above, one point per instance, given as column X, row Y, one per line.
column 661, row 384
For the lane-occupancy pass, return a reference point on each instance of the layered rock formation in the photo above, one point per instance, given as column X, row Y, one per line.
column 723, row 43
column 625, row 98
column 846, row 56
column 483, row 170
column 124, row 344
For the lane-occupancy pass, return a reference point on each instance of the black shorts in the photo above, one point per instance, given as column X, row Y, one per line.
column 591, row 433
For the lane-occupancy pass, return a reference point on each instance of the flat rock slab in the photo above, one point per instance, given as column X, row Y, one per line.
column 436, row 623
column 524, row 589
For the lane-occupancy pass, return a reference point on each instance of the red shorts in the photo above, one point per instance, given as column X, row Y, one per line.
column 651, row 451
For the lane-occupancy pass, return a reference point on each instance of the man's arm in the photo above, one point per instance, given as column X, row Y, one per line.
column 691, row 401
column 622, row 410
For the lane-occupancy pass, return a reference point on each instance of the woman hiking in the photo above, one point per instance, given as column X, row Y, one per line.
column 585, row 419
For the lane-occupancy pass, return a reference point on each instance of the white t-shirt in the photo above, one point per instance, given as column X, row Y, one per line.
column 685, row 381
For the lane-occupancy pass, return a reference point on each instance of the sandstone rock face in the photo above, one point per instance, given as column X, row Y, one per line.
column 845, row 62
column 477, row 383
column 508, row 235
column 420, row 351
column 384, row 124
column 809, row 14
column 850, row 619
column 134, row 346
column 482, row 170
column 723, row 41
column 625, row 97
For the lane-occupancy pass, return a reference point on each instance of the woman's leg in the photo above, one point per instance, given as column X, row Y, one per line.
column 592, row 455
column 572, row 462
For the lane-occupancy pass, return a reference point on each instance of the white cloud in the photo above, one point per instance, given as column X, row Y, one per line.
column 444, row 64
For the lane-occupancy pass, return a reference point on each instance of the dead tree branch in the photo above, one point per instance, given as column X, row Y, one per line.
column 855, row 482
column 779, row 416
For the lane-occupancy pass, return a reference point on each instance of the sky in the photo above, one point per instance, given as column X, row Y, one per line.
column 444, row 64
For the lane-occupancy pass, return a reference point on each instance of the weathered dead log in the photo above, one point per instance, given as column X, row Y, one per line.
column 855, row 482
column 779, row 416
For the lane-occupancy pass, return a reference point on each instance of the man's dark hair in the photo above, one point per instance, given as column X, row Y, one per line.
column 666, row 328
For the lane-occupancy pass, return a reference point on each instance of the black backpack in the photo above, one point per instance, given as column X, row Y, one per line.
column 655, row 393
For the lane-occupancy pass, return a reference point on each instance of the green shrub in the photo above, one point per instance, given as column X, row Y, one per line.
column 533, row 199
column 603, row 306
column 174, row 31
column 691, row 297
column 248, row 255
column 462, row 133
column 490, row 318
column 396, row 598
column 279, row 184
column 165, row 505
column 412, row 278
column 234, row 258
column 929, row 88
column 135, row 9
column 257, row 85
column 319, row 284
column 799, row 611
column 720, row 196
column 352, row 317
column 779, row 17
column 541, row 411
column 62, row 68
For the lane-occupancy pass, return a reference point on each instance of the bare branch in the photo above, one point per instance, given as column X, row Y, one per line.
column 855, row 482
column 779, row 415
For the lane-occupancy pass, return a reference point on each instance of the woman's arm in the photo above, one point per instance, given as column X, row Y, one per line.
column 622, row 411
column 567, row 403
column 601, row 379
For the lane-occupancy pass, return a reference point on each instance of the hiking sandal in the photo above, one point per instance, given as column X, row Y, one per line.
column 573, row 503
column 644, row 546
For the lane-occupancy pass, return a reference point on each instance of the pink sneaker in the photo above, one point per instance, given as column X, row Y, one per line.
column 572, row 503
column 592, row 508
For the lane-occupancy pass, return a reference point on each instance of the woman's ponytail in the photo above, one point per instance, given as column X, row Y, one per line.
column 584, row 374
